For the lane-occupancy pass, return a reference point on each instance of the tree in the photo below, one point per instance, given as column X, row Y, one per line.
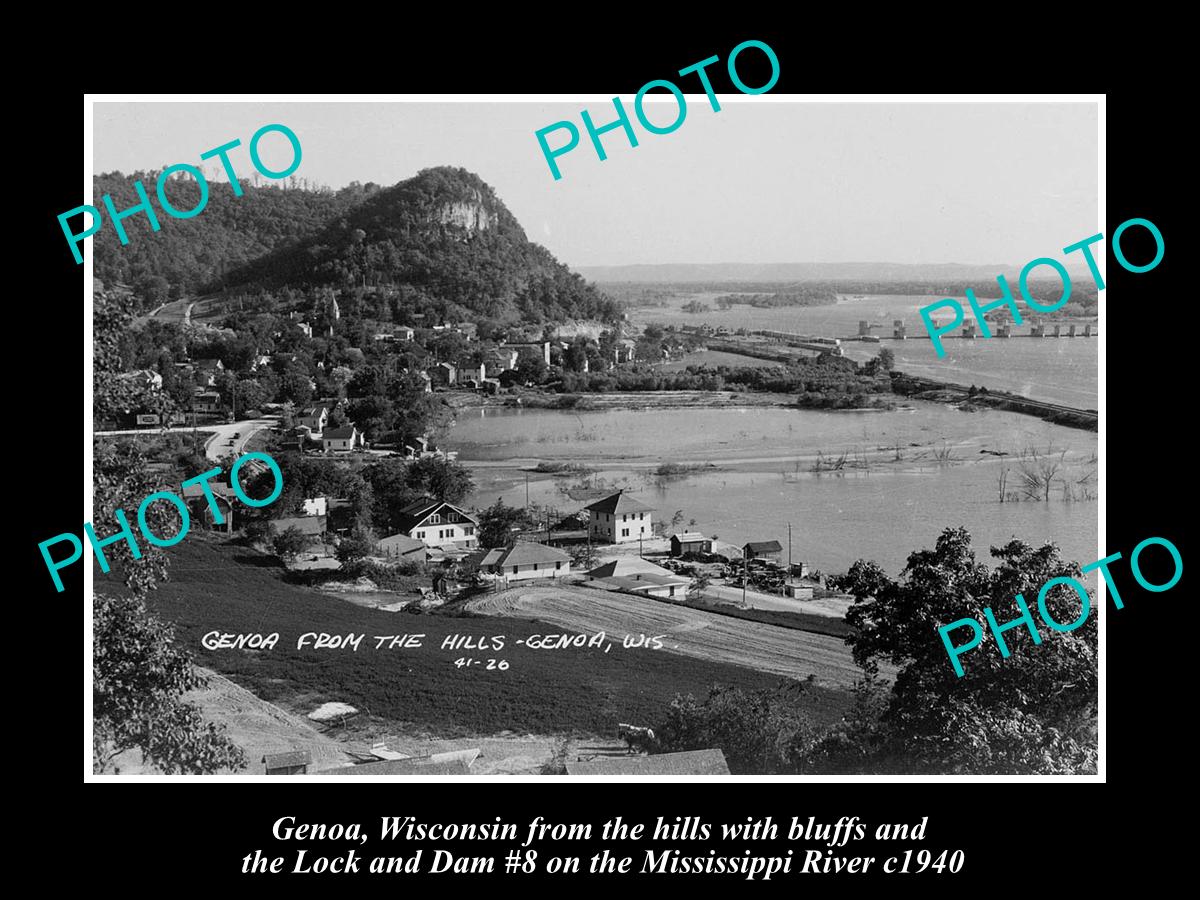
column 1031, row 713
column 696, row 588
column 139, row 674
column 760, row 733
column 531, row 369
column 360, row 543
column 289, row 543
column 496, row 523
column 441, row 479
column 887, row 360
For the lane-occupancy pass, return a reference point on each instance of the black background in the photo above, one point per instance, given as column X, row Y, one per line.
column 1016, row 835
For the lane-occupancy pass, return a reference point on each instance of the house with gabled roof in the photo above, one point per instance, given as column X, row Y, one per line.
column 315, row 418
column 525, row 560
column 619, row 518
column 770, row 550
column 345, row 438
column 437, row 523
column 633, row 575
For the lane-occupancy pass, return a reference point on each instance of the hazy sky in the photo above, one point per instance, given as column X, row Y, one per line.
column 760, row 181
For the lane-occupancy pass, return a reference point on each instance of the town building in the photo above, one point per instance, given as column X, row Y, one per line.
column 315, row 506
column 690, row 542
column 637, row 576
column 312, row 527
column 401, row 546
column 198, row 505
column 471, row 372
column 619, row 518
column 524, row 561
column 207, row 371
column 443, row 374
column 345, row 438
column 206, row 401
column 439, row 524
column 502, row 359
column 766, row 550
column 531, row 348
column 315, row 418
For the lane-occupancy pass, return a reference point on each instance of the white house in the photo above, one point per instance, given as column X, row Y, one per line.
column 619, row 518
column 471, row 372
column 314, row 418
column 439, row 524
column 524, row 561
column 315, row 506
column 345, row 438
column 636, row 576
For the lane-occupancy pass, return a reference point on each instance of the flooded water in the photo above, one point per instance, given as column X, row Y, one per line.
column 762, row 476
column 1060, row 370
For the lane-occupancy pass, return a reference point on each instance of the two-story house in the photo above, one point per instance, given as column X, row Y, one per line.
column 314, row 418
column 619, row 518
column 439, row 524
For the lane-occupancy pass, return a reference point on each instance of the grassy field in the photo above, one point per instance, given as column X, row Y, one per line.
column 800, row 621
column 223, row 587
column 717, row 358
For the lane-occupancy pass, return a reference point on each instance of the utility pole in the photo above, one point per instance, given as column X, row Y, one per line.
column 527, row 490
column 789, row 549
column 745, row 575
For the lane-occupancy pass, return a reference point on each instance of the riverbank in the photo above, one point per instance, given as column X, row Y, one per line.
column 971, row 397
column 905, row 389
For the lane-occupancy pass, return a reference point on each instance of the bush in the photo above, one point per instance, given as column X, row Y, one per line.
column 290, row 543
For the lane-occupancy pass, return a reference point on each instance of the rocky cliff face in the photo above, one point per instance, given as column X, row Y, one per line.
column 470, row 215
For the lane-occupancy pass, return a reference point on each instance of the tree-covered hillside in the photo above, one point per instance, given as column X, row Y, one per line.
column 187, row 255
column 447, row 240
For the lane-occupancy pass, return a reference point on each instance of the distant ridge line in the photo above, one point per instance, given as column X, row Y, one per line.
column 859, row 271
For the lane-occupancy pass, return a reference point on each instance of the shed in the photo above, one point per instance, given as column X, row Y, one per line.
column 294, row 762
column 763, row 550
column 690, row 542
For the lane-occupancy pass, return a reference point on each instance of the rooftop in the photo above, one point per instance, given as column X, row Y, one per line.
column 628, row 567
column 689, row 762
column 618, row 503
column 524, row 553
column 763, row 546
column 689, row 537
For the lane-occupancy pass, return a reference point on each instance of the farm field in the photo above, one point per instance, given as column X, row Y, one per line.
column 221, row 586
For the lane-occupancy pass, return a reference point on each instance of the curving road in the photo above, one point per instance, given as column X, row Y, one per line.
column 222, row 443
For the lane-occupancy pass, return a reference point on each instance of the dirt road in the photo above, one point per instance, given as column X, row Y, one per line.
column 690, row 632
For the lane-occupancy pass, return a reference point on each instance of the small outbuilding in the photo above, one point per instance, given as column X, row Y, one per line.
column 690, row 542
column 766, row 550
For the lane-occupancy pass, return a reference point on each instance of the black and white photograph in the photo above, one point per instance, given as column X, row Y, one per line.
column 508, row 436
